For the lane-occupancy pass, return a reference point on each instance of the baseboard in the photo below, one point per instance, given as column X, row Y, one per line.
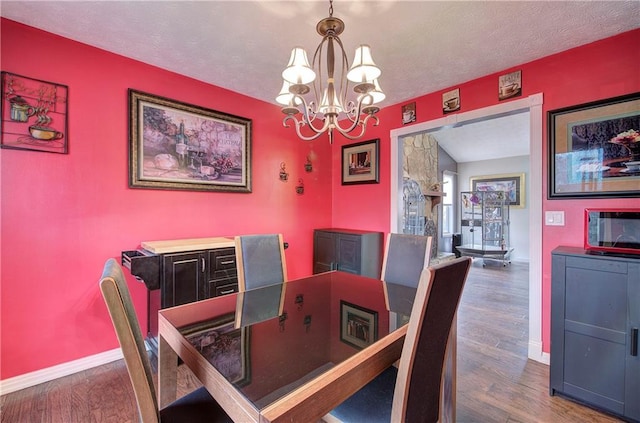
column 535, row 353
column 65, row 369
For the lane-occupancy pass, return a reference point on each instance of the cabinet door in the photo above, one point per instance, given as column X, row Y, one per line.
column 324, row 251
column 632, row 379
column 595, row 332
column 184, row 278
column 349, row 253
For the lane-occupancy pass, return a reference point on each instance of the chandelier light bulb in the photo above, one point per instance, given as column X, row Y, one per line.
column 375, row 96
column 285, row 97
column 298, row 70
column 363, row 67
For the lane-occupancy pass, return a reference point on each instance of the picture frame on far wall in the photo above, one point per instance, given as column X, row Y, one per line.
column 361, row 163
column 511, row 183
column 34, row 114
column 594, row 149
column 179, row 146
column 358, row 325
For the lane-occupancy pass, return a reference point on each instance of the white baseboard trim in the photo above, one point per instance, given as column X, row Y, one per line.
column 45, row 375
column 536, row 353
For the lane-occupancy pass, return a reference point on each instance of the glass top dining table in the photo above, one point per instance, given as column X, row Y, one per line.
column 286, row 352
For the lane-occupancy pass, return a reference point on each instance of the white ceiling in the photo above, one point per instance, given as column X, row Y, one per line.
column 421, row 46
column 501, row 137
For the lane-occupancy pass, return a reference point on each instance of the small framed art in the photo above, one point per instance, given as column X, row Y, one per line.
column 451, row 101
column 358, row 325
column 360, row 163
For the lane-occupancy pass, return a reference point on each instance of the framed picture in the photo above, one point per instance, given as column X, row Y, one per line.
column 224, row 346
column 34, row 114
column 594, row 149
column 360, row 163
column 510, row 85
column 179, row 146
column 512, row 184
column 451, row 101
column 409, row 113
column 358, row 325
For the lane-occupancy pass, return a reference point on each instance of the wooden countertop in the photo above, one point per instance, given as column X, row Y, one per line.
column 178, row 245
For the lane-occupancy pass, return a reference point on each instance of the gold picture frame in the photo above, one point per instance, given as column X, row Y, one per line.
column 513, row 184
column 180, row 146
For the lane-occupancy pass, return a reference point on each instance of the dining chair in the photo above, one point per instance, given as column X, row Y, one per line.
column 405, row 257
column 197, row 406
column 411, row 392
column 260, row 260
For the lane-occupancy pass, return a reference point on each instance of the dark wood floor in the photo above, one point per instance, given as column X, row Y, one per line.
column 496, row 381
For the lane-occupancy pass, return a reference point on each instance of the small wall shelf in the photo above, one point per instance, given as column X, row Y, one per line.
column 435, row 197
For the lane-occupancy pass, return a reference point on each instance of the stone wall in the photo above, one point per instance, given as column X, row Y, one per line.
column 420, row 163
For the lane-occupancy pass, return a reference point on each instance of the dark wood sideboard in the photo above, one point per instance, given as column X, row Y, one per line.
column 182, row 271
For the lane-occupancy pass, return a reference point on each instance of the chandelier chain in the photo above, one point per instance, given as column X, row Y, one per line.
column 330, row 8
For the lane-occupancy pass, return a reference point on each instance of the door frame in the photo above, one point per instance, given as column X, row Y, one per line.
column 532, row 104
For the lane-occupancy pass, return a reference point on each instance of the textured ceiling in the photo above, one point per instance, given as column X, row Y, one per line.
column 421, row 46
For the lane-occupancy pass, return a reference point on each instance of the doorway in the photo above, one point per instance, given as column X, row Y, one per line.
column 532, row 104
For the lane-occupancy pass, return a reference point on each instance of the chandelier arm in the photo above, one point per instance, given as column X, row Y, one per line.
column 308, row 117
column 354, row 111
column 309, row 114
column 347, row 133
column 298, row 124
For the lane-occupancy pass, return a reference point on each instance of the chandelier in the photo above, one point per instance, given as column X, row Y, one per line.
column 314, row 92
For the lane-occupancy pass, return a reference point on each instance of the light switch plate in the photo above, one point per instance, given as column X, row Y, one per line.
column 554, row 218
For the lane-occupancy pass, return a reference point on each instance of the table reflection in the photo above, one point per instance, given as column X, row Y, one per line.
column 266, row 357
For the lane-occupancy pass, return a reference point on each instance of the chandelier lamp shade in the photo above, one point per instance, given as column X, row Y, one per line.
column 315, row 97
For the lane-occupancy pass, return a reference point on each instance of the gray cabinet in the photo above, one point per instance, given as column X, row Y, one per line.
column 348, row 250
column 595, row 317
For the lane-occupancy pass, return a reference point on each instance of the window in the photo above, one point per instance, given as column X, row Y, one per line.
column 448, row 218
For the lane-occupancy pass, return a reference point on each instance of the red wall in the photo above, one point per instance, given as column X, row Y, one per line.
column 592, row 72
column 63, row 215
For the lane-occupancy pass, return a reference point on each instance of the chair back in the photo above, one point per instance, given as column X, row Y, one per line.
column 418, row 384
column 125, row 322
column 405, row 257
column 260, row 260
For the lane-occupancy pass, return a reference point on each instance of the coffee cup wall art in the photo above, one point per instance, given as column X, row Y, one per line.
column 34, row 114
column 510, row 85
column 451, row 101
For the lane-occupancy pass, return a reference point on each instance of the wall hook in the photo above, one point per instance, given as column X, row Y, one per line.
column 283, row 172
column 300, row 187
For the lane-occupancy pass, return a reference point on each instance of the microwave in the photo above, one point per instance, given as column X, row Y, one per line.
column 615, row 231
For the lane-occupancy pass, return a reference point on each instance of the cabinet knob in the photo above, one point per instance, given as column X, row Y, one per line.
column 203, row 264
